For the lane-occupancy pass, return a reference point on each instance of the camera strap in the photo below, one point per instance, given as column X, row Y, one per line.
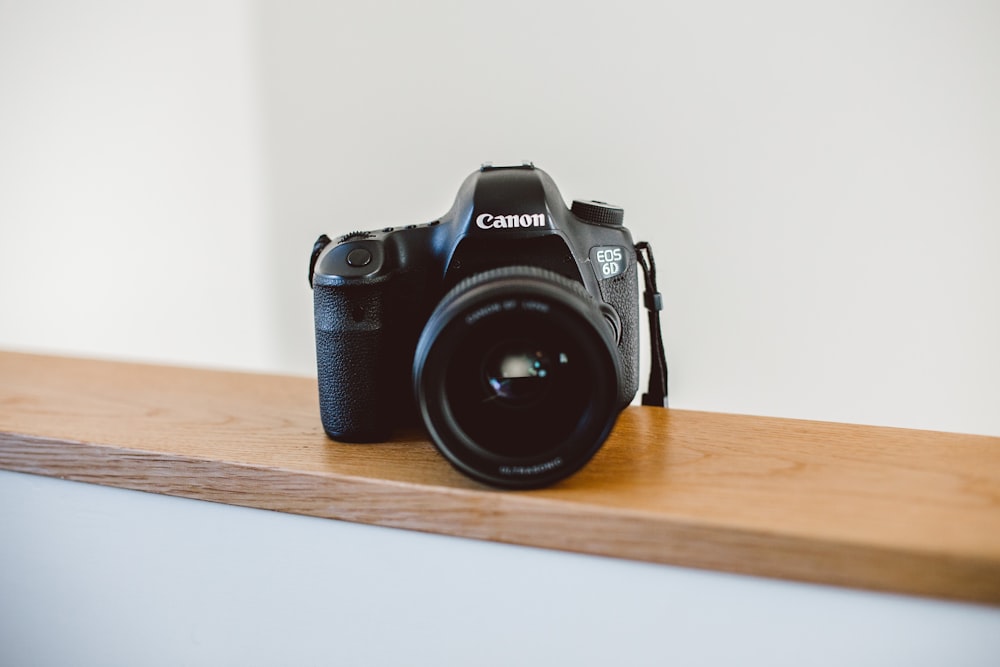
column 657, row 387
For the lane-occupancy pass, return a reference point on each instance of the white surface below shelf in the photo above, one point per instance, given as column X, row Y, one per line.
column 91, row 575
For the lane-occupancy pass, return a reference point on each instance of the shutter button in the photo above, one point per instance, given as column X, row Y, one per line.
column 359, row 257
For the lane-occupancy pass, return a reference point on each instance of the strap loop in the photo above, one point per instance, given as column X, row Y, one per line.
column 653, row 300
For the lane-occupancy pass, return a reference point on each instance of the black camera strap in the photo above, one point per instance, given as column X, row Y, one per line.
column 653, row 300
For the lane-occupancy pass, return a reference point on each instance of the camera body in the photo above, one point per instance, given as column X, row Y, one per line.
column 507, row 271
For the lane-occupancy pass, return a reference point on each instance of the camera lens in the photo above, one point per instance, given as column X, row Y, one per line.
column 516, row 377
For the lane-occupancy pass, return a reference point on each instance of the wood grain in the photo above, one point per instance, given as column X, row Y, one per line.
column 877, row 508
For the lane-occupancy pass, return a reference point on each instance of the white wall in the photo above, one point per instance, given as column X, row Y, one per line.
column 132, row 205
column 819, row 182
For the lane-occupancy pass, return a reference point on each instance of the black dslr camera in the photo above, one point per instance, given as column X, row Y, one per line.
column 510, row 325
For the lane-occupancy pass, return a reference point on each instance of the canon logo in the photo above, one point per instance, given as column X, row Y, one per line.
column 490, row 221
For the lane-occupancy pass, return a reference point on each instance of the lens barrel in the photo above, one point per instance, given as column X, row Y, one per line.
column 516, row 377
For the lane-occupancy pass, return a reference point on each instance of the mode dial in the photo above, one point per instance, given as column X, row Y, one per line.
column 598, row 212
column 355, row 236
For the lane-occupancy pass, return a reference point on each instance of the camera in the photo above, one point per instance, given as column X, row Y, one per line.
column 508, row 326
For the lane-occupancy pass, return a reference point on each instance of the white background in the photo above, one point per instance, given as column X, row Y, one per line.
column 819, row 180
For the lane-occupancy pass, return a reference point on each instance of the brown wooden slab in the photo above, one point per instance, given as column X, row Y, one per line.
column 869, row 507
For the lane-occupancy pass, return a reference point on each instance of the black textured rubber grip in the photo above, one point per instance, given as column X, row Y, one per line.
column 358, row 392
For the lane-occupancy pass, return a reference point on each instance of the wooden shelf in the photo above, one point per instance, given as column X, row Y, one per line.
column 877, row 508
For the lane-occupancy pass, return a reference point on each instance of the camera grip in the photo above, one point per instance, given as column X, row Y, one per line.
column 354, row 363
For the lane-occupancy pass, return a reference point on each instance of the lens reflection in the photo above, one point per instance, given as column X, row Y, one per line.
column 520, row 373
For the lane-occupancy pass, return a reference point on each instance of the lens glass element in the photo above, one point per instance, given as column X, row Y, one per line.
column 517, row 396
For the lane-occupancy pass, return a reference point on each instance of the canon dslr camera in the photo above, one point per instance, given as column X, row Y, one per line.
column 510, row 325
